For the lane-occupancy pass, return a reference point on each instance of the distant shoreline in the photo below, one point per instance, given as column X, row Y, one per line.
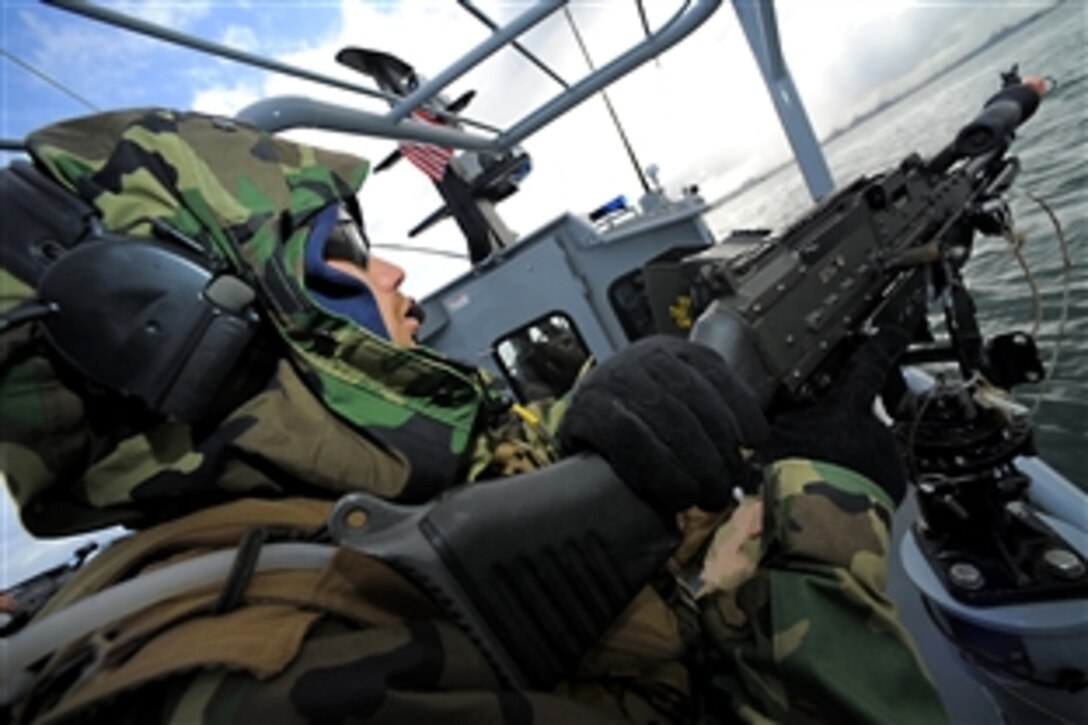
column 996, row 37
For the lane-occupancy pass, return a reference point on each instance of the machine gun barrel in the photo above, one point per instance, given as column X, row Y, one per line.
column 993, row 127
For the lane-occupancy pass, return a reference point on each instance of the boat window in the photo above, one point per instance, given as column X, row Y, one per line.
column 631, row 305
column 657, row 297
column 542, row 359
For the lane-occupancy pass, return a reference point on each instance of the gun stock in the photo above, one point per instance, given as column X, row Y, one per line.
column 534, row 567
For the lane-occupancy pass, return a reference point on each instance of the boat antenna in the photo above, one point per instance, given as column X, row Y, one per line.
column 479, row 15
column 48, row 79
column 419, row 250
column 641, row 4
column 608, row 104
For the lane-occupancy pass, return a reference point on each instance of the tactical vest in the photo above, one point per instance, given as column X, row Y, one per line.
column 260, row 633
column 271, row 619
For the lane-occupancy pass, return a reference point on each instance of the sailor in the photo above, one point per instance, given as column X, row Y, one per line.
column 232, row 419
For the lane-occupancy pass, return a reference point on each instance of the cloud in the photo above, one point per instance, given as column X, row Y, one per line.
column 226, row 100
column 110, row 67
column 848, row 62
column 101, row 55
column 240, row 37
column 176, row 15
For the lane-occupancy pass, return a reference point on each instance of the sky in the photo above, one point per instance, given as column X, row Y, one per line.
column 699, row 111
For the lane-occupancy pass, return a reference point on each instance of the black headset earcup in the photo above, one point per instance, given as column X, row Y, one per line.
column 148, row 323
column 41, row 221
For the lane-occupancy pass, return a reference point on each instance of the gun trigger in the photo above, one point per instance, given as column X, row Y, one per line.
column 751, row 480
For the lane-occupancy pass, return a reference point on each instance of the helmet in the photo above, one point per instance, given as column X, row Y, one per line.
column 182, row 329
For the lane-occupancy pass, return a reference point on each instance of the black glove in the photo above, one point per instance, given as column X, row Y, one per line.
column 841, row 428
column 670, row 417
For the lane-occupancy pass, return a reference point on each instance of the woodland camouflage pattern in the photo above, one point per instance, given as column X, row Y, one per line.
column 248, row 199
column 790, row 622
column 785, row 643
column 356, row 642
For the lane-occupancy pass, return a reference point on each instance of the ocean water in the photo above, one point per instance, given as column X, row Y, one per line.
column 1053, row 150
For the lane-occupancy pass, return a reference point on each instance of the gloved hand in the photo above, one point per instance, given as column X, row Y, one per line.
column 670, row 417
column 841, row 428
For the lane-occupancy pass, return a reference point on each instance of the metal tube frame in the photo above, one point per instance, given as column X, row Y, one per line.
column 494, row 43
column 483, row 18
column 757, row 18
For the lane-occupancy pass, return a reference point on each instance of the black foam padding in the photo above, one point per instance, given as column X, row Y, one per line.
column 551, row 559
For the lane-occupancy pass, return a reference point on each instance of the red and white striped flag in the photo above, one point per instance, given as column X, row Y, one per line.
column 431, row 160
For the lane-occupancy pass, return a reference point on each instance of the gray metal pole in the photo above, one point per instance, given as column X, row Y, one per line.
column 286, row 112
column 757, row 18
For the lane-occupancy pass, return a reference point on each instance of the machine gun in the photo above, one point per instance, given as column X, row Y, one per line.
column 786, row 313
column 28, row 596
column 790, row 311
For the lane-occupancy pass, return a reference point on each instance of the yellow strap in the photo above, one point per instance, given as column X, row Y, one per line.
column 526, row 415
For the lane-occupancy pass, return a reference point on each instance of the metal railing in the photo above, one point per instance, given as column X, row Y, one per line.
column 285, row 112
column 757, row 18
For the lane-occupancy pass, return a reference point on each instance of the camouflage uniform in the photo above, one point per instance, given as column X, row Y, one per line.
column 790, row 620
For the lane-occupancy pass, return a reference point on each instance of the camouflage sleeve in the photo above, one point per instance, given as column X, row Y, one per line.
column 810, row 634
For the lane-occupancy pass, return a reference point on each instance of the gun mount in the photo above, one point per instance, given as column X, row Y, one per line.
column 982, row 540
